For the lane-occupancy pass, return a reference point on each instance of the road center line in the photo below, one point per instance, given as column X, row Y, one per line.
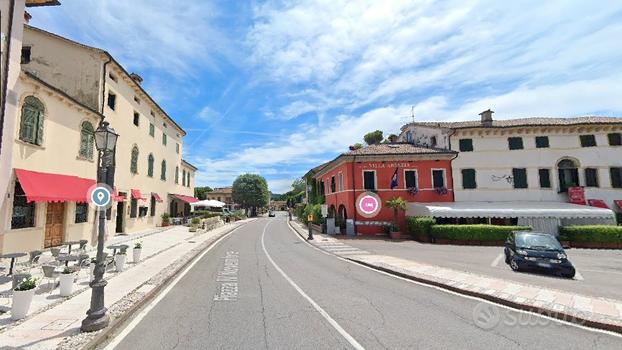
column 317, row 307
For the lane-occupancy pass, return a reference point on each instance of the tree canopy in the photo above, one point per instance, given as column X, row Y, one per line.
column 250, row 191
column 374, row 137
column 201, row 192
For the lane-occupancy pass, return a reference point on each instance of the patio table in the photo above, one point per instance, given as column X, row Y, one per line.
column 114, row 248
column 69, row 244
column 12, row 256
column 68, row 258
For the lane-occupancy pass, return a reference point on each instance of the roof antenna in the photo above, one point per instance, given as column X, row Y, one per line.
column 412, row 112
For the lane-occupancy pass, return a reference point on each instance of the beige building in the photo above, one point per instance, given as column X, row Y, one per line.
column 223, row 194
column 65, row 89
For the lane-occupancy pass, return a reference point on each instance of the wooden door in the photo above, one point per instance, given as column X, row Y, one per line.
column 54, row 225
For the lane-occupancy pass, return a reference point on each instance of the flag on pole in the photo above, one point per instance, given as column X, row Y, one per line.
column 394, row 179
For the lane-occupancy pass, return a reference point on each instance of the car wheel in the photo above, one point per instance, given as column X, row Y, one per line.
column 569, row 274
column 514, row 265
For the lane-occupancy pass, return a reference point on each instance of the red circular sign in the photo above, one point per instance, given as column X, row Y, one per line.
column 368, row 204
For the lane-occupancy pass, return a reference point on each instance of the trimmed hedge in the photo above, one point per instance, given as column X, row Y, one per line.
column 474, row 232
column 419, row 227
column 591, row 233
column 206, row 214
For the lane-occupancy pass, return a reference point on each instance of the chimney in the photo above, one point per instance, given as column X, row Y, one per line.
column 486, row 117
column 137, row 78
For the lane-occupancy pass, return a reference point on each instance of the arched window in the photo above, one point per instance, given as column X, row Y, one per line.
column 176, row 174
column 86, row 140
column 568, row 171
column 163, row 173
column 134, row 161
column 150, row 161
column 183, row 177
column 31, row 123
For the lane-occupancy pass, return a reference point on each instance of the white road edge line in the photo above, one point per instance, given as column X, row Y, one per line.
column 119, row 337
column 497, row 260
column 317, row 307
column 595, row 330
column 577, row 275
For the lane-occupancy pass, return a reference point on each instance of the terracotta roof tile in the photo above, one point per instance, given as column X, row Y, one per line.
column 533, row 121
column 396, row 148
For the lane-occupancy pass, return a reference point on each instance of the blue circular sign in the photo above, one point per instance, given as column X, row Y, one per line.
column 100, row 196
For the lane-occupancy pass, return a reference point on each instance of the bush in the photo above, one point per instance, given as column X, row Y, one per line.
column 591, row 233
column 474, row 232
column 419, row 227
column 206, row 214
column 316, row 210
column 196, row 221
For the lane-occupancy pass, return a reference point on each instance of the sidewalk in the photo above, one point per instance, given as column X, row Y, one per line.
column 600, row 313
column 57, row 324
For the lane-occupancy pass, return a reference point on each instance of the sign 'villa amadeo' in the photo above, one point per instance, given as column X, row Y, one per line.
column 387, row 165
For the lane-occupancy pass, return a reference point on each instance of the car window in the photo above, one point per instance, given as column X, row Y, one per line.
column 534, row 241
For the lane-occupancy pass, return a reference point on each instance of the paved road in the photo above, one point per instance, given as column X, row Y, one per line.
column 291, row 296
column 600, row 273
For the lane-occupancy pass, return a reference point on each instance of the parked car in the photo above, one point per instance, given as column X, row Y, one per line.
column 271, row 213
column 525, row 250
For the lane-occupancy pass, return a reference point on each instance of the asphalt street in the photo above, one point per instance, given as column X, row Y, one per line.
column 264, row 288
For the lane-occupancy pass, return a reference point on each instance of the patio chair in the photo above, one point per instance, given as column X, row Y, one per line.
column 50, row 273
column 33, row 261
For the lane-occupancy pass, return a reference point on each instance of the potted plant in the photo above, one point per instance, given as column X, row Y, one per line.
column 397, row 204
column 166, row 219
column 66, row 281
column 119, row 260
column 194, row 224
column 138, row 248
column 22, row 297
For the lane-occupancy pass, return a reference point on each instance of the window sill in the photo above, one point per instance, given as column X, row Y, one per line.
column 33, row 145
column 85, row 159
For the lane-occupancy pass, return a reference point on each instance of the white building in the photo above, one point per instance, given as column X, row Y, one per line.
column 530, row 159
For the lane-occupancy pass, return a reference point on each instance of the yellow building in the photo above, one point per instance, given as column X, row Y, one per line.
column 64, row 90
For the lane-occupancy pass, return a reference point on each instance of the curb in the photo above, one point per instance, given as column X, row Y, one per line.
column 559, row 315
column 107, row 332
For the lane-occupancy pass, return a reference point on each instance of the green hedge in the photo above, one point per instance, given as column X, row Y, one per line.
column 316, row 210
column 420, row 227
column 206, row 214
column 591, row 233
column 475, row 232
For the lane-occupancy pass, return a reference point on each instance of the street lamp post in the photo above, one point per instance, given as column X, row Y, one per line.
column 105, row 141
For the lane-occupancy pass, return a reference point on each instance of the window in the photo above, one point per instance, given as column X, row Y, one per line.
column 410, row 179
column 542, row 142
column 82, row 212
column 616, row 177
column 545, row 178
column 25, row 55
column 151, row 130
column 142, row 211
column 568, row 174
column 183, row 177
column 163, row 171
column 466, row 145
column 23, row 212
column 134, row 161
column 369, row 180
column 153, row 206
column 587, row 140
column 164, row 139
column 137, row 100
column 112, row 77
column 133, row 207
column 468, row 179
column 31, row 124
column 112, row 100
column 433, row 141
column 188, row 179
column 409, row 136
column 615, row 139
column 176, row 175
column 136, row 118
column 177, row 148
column 340, row 182
column 150, row 161
column 591, row 177
column 438, row 178
column 86, row 140
column 520, row 177
column 515, row 143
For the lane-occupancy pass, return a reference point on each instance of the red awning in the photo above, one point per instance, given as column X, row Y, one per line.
column 618, row 202
column 116, row 197
column 157, row 197
column 597, row 203
column 137, row 195
column 46, row 187
column 186, row 199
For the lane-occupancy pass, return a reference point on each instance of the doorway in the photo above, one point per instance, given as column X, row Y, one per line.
column 120, row 214
column 54, row 225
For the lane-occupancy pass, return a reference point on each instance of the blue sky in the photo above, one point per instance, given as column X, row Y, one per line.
column 277, row 87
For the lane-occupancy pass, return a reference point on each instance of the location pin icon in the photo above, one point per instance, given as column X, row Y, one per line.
column 100, row 196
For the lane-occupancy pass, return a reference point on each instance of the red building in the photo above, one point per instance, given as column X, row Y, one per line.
column 423, row 175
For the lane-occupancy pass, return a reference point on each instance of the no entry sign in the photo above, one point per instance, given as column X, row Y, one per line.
column 368, row 204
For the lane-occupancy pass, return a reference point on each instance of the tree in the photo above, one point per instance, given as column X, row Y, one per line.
column 201, row 192
column 250, row 191
column 392, row 138
column 397, row 204
column 374, row 137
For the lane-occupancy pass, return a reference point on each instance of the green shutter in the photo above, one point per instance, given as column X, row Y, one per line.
column 542, row 141
column 545, row 178
column 466, row 145
column 520, row 177
column 468, row 179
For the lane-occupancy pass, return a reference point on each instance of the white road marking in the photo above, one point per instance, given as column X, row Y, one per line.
column 594, row 330
column 495, row 262
column 114, row 342
column 317, row 307
column 577, row 275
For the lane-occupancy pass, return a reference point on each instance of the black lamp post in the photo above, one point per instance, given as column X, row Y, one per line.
column 105, row 142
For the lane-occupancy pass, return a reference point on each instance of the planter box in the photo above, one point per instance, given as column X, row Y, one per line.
column 119, row 262
column 66, row 284
column 136, row 255
column 395, row 235
column 21, row 303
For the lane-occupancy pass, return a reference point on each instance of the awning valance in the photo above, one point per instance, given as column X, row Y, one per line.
column 184, row 198
column 618, row 203
column 209, row 203
column 117, row 197
column 507, row 210
column 598, row 203
column 157, row 197
column 137, row 195
column 46, row 187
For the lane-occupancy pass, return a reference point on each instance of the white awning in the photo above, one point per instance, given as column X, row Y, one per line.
column 211, row 203
column 507, row 210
